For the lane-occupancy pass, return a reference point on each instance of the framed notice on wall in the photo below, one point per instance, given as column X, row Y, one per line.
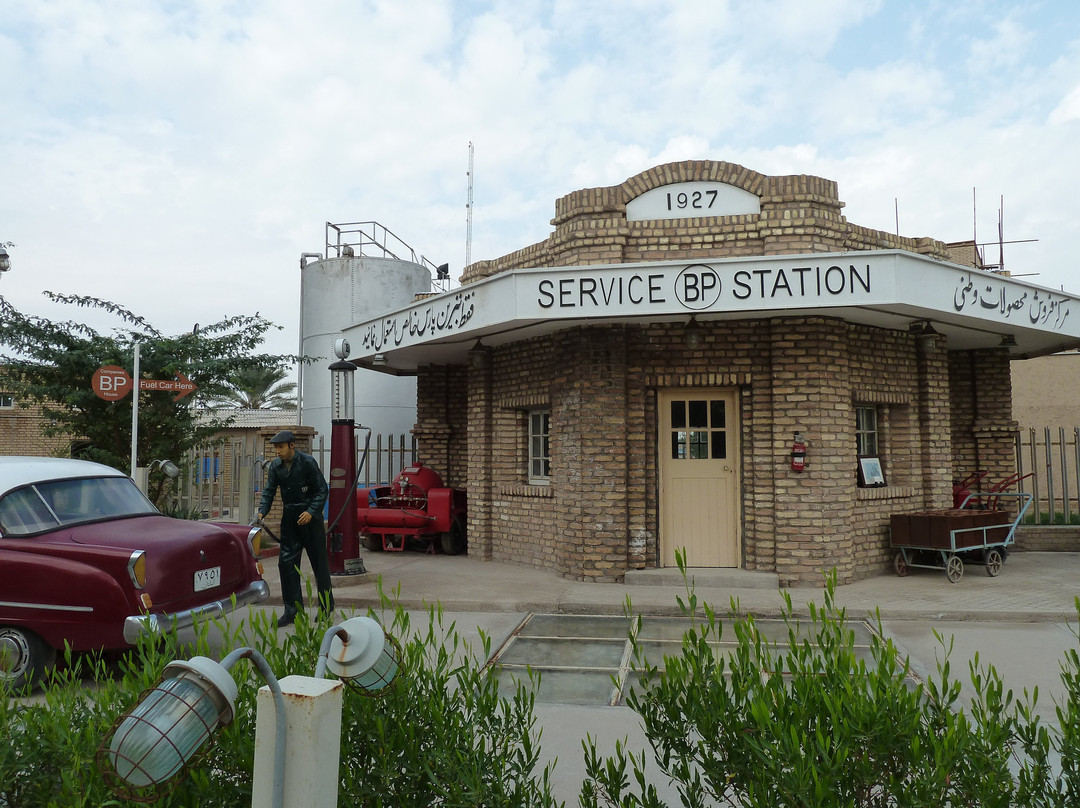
column 871, row 474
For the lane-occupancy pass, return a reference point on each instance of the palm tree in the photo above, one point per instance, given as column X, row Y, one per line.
column 259, row 388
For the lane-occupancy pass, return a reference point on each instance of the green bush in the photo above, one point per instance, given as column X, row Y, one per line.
column 813, row 724
column 441, row 737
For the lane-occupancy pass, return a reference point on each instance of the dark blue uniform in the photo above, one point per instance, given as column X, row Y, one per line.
column 303, row 488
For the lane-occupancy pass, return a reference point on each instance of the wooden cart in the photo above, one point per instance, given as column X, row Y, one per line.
column 943, row 539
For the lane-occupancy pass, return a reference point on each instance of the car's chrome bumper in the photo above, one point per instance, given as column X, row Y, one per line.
column 157, row 624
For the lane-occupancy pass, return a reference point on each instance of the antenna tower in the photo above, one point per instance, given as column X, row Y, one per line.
column 468, row 211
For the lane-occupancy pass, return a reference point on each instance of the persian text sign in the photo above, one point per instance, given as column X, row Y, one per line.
column 979, row 294
column 443, row 315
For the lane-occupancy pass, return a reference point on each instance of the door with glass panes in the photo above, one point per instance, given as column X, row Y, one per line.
column 699, row 475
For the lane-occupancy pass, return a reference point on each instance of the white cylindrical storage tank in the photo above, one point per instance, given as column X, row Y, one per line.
column 336, row 293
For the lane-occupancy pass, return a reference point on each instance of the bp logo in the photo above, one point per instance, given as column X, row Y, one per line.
column 697, row 286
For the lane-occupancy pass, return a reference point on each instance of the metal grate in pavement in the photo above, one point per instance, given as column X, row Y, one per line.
column 588, row 659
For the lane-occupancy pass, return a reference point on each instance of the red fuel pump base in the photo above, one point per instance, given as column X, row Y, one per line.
column 342, row 537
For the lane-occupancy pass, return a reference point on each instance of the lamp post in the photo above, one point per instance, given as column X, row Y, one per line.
column 150, row 747
column 5, row 259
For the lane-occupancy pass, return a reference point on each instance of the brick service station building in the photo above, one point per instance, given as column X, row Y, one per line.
column 634, row 383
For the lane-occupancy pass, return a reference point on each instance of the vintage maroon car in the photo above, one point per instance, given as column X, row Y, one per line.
column 86, row 559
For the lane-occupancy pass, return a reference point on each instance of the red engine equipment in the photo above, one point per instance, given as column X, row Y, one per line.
column 416, row 505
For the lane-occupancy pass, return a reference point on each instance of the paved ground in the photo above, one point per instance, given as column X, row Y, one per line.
column 1032, row 587
column 1021, row 621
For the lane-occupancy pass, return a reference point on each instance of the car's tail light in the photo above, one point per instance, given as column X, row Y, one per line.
column 255, row 537
column 137, row 568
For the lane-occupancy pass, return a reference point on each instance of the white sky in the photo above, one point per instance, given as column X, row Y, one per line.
column 177, row 156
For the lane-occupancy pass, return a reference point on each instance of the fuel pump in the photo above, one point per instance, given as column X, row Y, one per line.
column 343, row 540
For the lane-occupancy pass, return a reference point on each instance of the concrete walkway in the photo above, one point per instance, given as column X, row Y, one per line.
column 1032, row 587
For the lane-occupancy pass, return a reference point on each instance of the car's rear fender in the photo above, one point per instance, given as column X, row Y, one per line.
column 87, row 610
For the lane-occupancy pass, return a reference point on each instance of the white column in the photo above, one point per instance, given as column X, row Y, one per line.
column 312, row 746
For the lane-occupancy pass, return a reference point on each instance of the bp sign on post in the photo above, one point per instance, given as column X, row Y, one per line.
column 111, row 382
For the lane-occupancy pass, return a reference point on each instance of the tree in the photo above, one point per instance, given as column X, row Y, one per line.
column 258, row 388
column 52, row 364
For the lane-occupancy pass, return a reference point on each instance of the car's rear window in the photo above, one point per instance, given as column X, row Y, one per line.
column 46, row 506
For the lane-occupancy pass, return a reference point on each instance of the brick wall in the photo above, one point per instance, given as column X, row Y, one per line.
column 20, row 434
column 981, row 422
column 600, row 514
column 1048, row 539
column 441, row 429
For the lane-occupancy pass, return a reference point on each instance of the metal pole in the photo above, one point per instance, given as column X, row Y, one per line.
column 1064, row 476
column 135, row 412
column 281, row 722
column 1036, row 489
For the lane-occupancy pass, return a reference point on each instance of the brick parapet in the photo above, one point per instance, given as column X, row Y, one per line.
column 799, row 214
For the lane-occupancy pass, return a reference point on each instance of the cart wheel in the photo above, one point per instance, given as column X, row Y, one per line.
column 371, row 542
column 994, row 561
column 454, row 541
column 954, row 568
column 900, row 565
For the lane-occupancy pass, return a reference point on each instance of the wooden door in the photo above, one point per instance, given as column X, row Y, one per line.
column 699, row 477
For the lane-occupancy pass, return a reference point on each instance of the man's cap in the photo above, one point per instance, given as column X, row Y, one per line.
column 284, row 436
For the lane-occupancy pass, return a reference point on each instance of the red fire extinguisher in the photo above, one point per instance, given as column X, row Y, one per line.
column 798, row 453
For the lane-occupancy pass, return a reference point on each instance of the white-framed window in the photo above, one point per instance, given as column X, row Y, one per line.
column 866, row 430
column 539, row 447
column 868, row 445
column 7, row 401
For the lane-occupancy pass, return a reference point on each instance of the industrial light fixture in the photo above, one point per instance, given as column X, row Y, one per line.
column 159, row 736
column 477, row 353
column 1007, row 341
column 921, row 328
column 379, row 360
column 361, row 654
column 693, row 334
column 167, row 467
column 5, row 259
column 146, row 753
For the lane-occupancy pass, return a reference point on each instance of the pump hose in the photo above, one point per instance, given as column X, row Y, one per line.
column 352, row 500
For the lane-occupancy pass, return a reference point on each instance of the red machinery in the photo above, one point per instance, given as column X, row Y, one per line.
column 415, row 505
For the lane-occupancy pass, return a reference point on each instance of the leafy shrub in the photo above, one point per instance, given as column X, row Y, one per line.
column 442, row 736
column 813, row 724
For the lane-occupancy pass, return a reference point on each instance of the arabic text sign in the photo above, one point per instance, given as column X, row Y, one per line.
column 1039, row 306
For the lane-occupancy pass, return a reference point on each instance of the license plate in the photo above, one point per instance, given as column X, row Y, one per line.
column 207, row 579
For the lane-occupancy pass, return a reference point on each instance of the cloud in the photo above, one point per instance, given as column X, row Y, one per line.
column 178, row 157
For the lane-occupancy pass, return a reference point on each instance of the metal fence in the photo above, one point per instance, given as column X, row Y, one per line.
column 225, row 481
column 1051, row 456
